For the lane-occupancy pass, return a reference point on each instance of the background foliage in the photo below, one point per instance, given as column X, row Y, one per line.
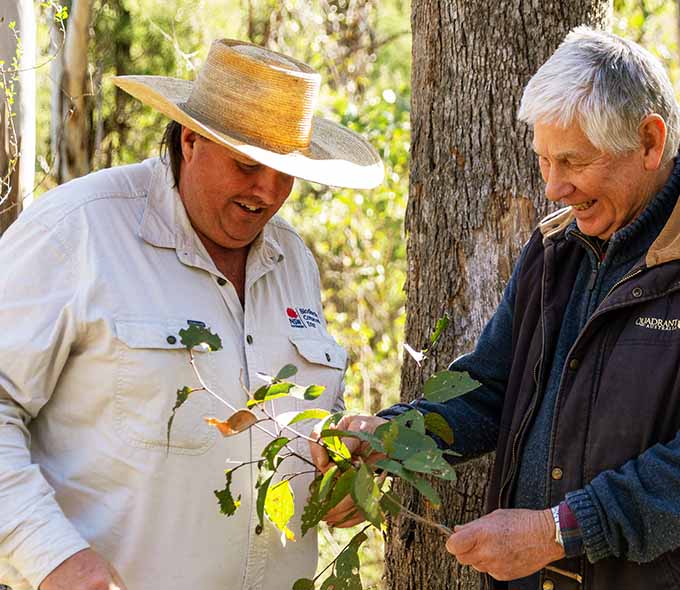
column 362, row 49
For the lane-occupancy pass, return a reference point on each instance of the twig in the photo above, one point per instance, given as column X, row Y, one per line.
column 421, row 519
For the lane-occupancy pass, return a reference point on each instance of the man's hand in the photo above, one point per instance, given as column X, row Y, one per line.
column 85, row 570
column 346, row 514
column 507, row 544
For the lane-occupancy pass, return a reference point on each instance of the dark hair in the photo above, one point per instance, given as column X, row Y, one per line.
column 171, row 147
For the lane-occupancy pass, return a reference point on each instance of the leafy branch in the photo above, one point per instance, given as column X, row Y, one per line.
column 403, row 447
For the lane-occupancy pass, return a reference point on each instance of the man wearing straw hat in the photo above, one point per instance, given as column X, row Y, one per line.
column 99, row 277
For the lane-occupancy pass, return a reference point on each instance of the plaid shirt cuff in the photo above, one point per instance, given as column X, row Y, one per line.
column 571, row 532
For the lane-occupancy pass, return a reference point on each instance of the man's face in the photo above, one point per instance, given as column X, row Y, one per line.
column 605, row 192
column 228, row 201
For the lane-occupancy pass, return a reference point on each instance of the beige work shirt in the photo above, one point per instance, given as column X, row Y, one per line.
column 98, row 277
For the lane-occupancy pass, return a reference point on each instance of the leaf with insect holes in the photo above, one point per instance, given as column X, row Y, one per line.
column 401, row 442
column 347, row 565
column 238, row 422
column 327, row 482
column 196, row 335
column 366, row 495
column 315, row 509
column 437, row 424
column 412, row 419
column 182, row 396
column 447, row 385
column 279, row 506
column 228, row 505
column 431, row 462
column 286, row 371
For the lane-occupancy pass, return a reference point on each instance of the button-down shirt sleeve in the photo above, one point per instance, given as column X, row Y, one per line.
column 36, row 299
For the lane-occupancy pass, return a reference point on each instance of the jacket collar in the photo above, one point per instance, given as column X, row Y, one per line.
column 165, row 224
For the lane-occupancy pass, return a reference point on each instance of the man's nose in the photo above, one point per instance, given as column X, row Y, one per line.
column 557, row 186
column 270, row 184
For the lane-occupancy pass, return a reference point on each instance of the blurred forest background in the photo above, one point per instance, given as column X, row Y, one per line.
column 362, row 48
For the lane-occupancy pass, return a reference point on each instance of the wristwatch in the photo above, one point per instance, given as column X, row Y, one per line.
column 558, row 531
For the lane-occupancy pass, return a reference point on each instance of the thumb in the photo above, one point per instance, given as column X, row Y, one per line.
column 462, row 541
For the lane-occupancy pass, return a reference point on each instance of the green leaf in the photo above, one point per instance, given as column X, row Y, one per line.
column 424, row 487
column 270, row 452
column 196, row 335
column 313, row 391
column 446, row 385
column 437, row 424
column 343, row 486
column 412, row 419
column 389, row 505
column 337, row 449
column 227, row 503
column 331, row 583
column 270, row 392
column 347, row 565
column 327, row 482
column 303, row 584
column 314, row 509
column 182, row 396
column 286, row 371
column 289, row 418
column 280, row 507
column 366, row 495
column 375, row 443
column 442, row 324
column 262, row 486
column 406, row 443
column 431, row 462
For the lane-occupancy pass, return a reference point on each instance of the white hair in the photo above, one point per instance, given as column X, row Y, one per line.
column 607, row 85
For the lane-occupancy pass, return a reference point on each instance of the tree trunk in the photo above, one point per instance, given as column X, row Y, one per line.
column 17, row 133
column 72, row 104
column 475, row 196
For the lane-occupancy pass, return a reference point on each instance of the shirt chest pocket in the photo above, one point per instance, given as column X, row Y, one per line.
column 152, row 365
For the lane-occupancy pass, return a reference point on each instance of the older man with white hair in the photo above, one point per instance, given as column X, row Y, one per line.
column 580, row 364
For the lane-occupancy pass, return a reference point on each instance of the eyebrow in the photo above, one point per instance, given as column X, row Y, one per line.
column 561, row 155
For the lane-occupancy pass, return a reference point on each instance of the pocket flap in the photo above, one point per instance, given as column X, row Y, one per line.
column 321, row 351
column 151, row 333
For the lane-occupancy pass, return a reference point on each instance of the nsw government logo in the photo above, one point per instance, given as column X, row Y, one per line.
column 302, row 317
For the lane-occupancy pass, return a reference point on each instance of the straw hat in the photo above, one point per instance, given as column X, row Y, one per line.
column 261, row 103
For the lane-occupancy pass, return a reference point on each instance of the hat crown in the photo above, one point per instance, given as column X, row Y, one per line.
column 260, row 95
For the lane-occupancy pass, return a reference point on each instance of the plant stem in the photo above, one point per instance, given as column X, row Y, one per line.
column 421, row 519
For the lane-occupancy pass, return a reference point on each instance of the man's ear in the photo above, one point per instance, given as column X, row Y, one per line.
column 652, row 132
column 188, row 139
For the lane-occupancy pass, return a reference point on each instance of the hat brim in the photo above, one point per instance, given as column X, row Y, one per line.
column 336, row 155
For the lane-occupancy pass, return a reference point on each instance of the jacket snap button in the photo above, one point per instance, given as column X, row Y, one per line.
column 249, row 339
column 171, row 339
column 573, row 364
column 258, row 529
column 328, row 357
column 556, row 473
column 548, row 585
column 637, row 292
column 221, row 282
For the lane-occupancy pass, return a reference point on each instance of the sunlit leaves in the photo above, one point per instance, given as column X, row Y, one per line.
column 290, row 418
column 228, row 504
column 271, row 451
column 447, row 385
column 198, row 336
column 279, row 506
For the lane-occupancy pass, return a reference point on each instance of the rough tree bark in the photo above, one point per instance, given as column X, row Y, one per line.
column 475, row 195
column 72, row 107
column 17, row 135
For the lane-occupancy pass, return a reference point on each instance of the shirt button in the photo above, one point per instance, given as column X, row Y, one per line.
column 548, row 585
column 573, row 364
column 258, row 529
column 171, row 339
column 221, row 282
column 637, row 292
column 249, row 339
column 556, row 473
column 328, row 357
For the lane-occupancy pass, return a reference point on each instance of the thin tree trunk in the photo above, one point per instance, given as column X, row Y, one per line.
column 72, row 133
column 475, row 197
column 17, row 134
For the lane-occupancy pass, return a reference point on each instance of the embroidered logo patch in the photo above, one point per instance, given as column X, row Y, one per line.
column 302, row 317
column 658, row 324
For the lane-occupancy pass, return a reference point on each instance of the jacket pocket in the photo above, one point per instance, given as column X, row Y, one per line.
column 152, row 365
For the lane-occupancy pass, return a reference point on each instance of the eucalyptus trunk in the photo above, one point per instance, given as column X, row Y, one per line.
column 475, row 196
column 17, row 120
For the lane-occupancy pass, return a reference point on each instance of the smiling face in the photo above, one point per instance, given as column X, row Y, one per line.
column 228, row 201
column 605, row 192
